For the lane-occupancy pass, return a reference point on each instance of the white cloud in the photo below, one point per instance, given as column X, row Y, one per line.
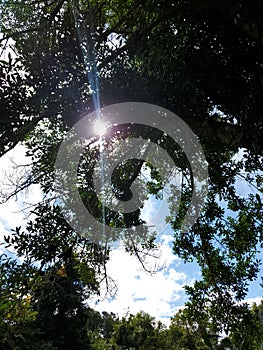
column 138, row 290
column 256, row 300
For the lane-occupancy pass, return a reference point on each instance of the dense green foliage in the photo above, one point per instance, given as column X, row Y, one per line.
column 200, row 59
column 52, row 316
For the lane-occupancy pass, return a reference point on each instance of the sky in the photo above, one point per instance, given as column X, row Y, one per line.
column 160, row 294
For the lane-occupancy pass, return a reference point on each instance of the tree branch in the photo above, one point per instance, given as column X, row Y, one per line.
column 15, row 138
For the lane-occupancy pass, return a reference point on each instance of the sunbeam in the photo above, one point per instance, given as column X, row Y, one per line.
column 87, row 44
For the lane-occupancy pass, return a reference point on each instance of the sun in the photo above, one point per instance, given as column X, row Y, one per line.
column 99, row 127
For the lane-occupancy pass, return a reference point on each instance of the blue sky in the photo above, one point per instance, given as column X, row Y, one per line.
column 160, row 294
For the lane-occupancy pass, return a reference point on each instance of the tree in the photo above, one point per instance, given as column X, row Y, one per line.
column 16, row 311
column 249, row 333
column 201, row 60
column 188, row 39
column 136, row 332
column 45, row 296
